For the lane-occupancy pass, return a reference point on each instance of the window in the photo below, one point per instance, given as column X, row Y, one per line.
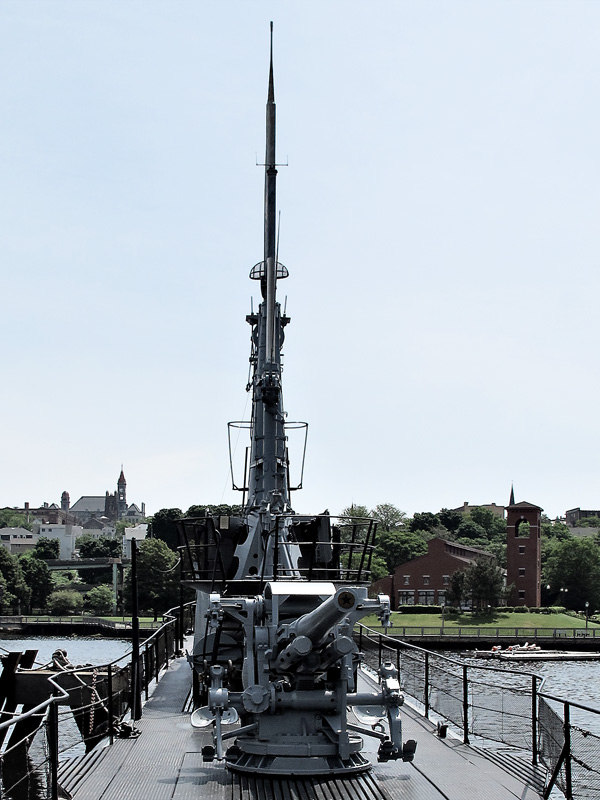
column 425, row 580
column 521, row 549
column 521, row 572
column 521, row 594
column 406, row 598
column 426, row 597
column 446, row 579
column 406, row 580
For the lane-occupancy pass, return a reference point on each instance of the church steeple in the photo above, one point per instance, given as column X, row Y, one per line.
column 121, row 494
column 511, row 502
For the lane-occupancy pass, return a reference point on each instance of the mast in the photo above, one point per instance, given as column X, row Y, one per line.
column 268, row 488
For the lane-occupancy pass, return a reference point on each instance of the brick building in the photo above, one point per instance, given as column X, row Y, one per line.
column 523, row 553
column 424, row 580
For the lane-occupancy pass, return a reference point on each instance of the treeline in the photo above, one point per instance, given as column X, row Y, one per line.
column 570, row 563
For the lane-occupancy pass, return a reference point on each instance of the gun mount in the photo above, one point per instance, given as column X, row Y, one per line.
column 278, row 594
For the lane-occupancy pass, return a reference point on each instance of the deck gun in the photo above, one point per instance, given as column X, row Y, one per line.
column 276, row 668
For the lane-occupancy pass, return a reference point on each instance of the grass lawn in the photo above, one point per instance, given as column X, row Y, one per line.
column 497, row 619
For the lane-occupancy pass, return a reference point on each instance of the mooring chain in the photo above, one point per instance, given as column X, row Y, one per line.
column 94, row 698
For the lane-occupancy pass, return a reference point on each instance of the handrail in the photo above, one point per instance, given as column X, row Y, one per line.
column 54, row 698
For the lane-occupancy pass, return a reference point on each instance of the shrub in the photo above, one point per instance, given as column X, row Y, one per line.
column 99, row 600
column 65, row 601
column 416, row 609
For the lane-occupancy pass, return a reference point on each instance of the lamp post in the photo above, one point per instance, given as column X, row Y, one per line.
column 587, row 606
column 443, row 605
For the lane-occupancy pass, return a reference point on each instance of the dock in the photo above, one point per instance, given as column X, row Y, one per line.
column 165, row 763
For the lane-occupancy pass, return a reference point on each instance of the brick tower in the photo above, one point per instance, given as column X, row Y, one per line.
column 523, row 553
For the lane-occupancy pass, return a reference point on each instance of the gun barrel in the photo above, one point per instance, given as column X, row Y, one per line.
column 317, row 624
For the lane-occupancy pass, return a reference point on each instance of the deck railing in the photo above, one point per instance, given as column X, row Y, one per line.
column 34, row 738
column 501, row 705
column 487, row 632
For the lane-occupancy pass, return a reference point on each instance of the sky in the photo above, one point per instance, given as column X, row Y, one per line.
column 439, row 220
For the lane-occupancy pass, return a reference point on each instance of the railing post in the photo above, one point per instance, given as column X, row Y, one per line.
column 146, row 671
column 465, row 706
column 53, row 748
column 534, row 726
column 426, row 687
column 110, row 703
column 380, row 652
column 568, row 777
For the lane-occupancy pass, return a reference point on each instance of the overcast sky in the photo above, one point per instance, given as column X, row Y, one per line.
column 439, row 219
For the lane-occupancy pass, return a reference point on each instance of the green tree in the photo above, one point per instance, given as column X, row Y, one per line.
column 158, row 579
column 471, row 531
column 397, row 547
column 222, row 510
column 379, row 568
column 18, row 594
column 99, row 600
column 484, row 583
column 47, row 548
column 38, row 577
column 493, row 525
column 104, row 547
column 65, row 601
column 575, row 566
column 424, row 521
column 163, row 526
column 588, row 522
column 450, row 518
column 555, row 530
column 388, row 516
column 9, row 518
column 455, row 594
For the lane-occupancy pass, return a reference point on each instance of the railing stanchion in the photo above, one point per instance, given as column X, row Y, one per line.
column 110, row 703
column 53, row 748
column 465, row 705
column 426, row 686
column 568, row 777
column 534, row 726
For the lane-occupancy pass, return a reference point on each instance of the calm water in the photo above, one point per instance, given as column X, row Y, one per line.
column 80, row 650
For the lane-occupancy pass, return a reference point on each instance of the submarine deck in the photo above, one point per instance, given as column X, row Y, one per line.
column 165, row 763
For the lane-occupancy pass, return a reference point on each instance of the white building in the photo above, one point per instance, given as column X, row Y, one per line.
column 17, row 540
column 136, row 532
column 66, row 535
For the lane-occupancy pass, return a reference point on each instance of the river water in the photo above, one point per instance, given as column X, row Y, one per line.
column 81, row 650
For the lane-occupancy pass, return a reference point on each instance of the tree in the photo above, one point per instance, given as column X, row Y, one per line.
column 484, row 582
column 450, row 518
column 555, row 530
column 47, row 548
column 158, row 580
column 455, row 594
column 493, row 525
column 65, row 601
column 9, row 518
column 17, row 594
column 397, row 547
column 104, row 547
column 588, row 522
column 471, row 531
column 388, row 516
column 222, row 510
column 575, row 566
column 163, row 526
column 425, row 521
column 379, row 568
column 99, row 600
column 38, row 577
